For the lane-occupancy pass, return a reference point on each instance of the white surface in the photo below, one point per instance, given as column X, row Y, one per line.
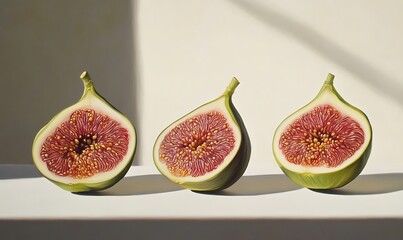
column 262, row 193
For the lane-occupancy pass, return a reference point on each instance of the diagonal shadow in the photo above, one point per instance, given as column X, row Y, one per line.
column 14, row 171
column 258, row 185
column 378, row 80
column 370, row 184
column 137, row 185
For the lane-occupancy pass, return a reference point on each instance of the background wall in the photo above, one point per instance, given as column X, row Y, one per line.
column 281, row 52
column 157, row 60
column 44, row 47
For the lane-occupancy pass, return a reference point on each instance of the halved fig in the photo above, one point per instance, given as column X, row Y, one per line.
column 325, row 144
column 87, row 146
column 207, row 149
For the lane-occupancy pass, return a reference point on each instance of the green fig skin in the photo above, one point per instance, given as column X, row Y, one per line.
column 92, row 187
column 235, row 169
column 333, row 178
column 323, row 181
column 84, row 185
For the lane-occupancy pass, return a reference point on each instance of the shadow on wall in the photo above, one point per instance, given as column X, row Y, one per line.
column 325, row 47
column 45, row 47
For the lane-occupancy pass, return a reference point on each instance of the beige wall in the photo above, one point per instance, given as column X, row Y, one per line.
column 281, row 52
column 157, row 60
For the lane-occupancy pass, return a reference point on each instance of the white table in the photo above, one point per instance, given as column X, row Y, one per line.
column 263, row 203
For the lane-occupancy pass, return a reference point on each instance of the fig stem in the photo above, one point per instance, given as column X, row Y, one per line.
column 231, row 87
column 329, row 79
column 85, row 76
column 88, row 85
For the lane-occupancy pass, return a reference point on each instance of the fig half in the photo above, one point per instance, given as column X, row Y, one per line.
column 325, row 144
column 86, row 147
column 207, row 149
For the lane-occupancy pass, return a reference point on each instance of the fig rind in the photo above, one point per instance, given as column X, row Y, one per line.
column 90, row 187
column 329, row 180
column 233, row 167
column 93, row 100
column 322, row 177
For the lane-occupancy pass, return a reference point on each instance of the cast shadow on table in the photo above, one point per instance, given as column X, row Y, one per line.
column 370, row 184
column 138, row 185
column 246, row 186
column 258, row 185
column 19, row 171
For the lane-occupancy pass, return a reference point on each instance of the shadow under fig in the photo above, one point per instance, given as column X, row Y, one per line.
column 19, row 171
column 258, row 185
column 370, row 184
column 138, row 185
